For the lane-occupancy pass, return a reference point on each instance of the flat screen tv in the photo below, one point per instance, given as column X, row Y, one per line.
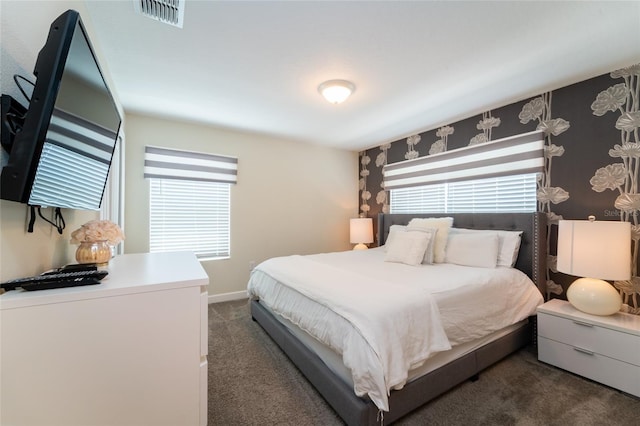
column 61, row 154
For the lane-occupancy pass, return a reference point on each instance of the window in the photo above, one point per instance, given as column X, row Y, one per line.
column 189, row 205
column 496, row 176
column 190, row 215
column 111, row 208
column 498, row 194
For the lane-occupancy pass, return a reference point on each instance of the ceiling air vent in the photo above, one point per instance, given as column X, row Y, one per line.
column 168, row 11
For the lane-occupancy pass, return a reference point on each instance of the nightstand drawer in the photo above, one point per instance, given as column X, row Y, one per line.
column 604, row 341
column 608, row 371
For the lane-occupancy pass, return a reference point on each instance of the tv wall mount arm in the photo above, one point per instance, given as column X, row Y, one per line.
column 12, row 115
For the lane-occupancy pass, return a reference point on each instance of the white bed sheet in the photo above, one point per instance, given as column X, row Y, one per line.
column 473, row 302
column 350, row 313
column 335, row 364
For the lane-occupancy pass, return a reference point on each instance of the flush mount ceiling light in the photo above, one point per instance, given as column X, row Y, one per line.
column 336, row 91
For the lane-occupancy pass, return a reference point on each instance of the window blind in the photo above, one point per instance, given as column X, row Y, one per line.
column 419, row 199
column 190, row 215
column 168, row 163
column 501, row 194
column 498, row 194
column 520, row 154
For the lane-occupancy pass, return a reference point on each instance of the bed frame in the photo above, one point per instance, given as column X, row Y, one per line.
column 361, row 411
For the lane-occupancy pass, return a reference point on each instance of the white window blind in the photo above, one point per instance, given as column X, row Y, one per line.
column 498, row 194
column 190, row 201
column 419, row 199
column 190, row 215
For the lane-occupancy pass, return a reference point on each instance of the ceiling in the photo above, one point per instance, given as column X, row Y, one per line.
column 255, row 66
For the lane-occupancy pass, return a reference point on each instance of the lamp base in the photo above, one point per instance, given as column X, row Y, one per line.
column 360, row 246
column 594, row 296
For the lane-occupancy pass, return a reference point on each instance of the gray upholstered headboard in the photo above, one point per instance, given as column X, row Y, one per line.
column 532, row 258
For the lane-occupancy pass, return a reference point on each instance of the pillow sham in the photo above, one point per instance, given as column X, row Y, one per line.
column 442, row 224
column 472, row 250
column 408, row 247
column 508, row 243
column 395, row 229
column 427, row 259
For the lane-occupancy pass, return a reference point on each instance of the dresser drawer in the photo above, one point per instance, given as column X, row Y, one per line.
column 594, row 366
column 594, row 338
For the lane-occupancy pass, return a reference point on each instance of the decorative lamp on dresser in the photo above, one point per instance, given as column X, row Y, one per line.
column 605, row 349
column 131, row 350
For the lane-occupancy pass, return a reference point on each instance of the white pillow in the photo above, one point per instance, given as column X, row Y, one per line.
column 508, row 243
column 472, row 250
column 428, row 254
column 408, row 247
column 442, row 224
column 393, row 231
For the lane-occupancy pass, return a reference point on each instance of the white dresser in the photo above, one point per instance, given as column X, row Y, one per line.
column 131, row 350
column 602, row 348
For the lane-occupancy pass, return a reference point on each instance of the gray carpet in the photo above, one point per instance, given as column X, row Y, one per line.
column 251, row 382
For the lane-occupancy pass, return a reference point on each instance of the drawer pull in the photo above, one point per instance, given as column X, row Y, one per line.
column 584, row 324
column 584, row 351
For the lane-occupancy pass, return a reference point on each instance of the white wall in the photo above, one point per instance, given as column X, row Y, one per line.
column 291, row 198
column 23, row 32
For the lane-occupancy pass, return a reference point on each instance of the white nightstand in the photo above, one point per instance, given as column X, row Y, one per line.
column 602, row 348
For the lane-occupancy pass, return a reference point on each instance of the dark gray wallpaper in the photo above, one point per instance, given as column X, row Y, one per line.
column 592, row 147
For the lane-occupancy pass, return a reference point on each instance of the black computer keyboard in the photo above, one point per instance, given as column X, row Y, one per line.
column 56, row 279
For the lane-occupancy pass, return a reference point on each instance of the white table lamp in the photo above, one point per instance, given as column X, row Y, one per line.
column 361, row 232
column 597, row 250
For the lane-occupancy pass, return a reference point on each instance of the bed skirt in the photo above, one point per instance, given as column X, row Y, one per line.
column 361, row 411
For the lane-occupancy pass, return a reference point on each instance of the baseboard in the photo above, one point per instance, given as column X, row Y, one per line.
column 227, row 297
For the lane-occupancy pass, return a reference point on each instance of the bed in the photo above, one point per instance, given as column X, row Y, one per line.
column 444, row 369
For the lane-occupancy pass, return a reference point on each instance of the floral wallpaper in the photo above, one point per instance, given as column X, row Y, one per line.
column 592, row 159
column 623, row 100
column 539, row 110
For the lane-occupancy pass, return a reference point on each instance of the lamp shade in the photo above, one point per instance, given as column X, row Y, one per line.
column 361, row 230
column 595, row 249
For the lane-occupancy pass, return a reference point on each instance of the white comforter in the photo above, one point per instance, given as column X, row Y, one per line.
column 387, row 318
